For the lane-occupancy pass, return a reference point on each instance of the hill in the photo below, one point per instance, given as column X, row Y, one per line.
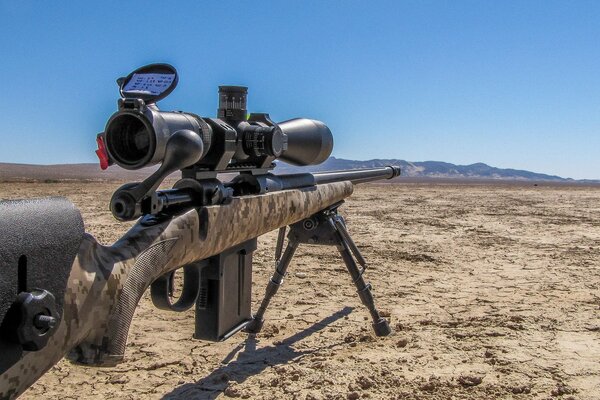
column 436, row 169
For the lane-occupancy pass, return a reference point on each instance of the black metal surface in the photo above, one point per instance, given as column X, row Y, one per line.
column 225, row 307
column 357, row 175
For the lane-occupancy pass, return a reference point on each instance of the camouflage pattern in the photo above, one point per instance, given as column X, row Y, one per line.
column 107, row 282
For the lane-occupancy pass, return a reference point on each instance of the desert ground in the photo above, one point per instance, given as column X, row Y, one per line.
column 492, row 290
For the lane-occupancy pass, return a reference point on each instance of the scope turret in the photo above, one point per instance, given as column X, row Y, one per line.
column 232, row 102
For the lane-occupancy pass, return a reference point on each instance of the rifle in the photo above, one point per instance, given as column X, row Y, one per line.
column 64, row 294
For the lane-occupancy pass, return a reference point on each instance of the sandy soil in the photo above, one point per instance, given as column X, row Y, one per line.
column 493, row 292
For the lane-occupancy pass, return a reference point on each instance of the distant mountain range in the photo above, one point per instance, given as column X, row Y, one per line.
column 424, row 170
column 440, row 170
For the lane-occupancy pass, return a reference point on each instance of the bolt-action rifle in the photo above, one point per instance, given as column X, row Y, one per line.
column 64, row 294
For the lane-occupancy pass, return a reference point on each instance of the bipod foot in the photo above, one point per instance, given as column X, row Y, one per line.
column 254, row 326
column 381, row 327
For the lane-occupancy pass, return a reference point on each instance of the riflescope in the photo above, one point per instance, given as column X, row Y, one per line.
column 137, row 134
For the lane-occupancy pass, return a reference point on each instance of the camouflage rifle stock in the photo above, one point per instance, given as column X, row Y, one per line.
column 105, row 283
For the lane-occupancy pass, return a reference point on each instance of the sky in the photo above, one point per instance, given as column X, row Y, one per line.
column 511, row 84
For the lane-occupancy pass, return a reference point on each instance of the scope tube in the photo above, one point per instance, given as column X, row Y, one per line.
column 137, row 139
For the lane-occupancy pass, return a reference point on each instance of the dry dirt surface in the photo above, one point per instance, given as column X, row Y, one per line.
column 493, row 291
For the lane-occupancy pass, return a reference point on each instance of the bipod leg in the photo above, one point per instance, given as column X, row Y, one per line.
column 346, row 247
column 279, row 245
column 282, row 264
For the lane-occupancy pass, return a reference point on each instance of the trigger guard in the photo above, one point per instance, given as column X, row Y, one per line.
column 161, row 288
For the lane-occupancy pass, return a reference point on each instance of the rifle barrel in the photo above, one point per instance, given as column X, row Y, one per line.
column 358, row 175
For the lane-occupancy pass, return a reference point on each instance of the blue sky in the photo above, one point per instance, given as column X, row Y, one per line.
column 511, row 84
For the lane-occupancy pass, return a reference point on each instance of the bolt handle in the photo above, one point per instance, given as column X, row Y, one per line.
column 184, row 148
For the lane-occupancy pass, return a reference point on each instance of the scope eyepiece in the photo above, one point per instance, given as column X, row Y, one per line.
column 130, row 140
column 137, row 138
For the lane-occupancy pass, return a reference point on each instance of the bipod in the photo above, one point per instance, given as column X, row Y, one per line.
column 326, row 227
